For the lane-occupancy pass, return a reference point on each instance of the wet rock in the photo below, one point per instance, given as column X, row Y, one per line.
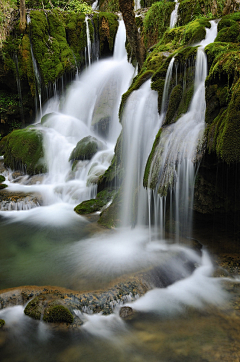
column 19, row 200
column 2, row 178
column 57, row 314
column 17, row 174
column 86, row 149
column 2, row 322
column 126, row 312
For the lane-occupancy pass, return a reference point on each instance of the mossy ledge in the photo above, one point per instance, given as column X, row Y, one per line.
column 23, row 150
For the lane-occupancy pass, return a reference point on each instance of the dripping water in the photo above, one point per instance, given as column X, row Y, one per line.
column 179, row 151
column 174, row 15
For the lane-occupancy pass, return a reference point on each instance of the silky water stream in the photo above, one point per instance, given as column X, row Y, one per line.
column 51, row 245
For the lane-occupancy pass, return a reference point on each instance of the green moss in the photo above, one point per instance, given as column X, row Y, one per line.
column 86, row 149
column 50, row 47
column 188, row 10
column 33, row 309
column 224, row 133
column 107, row 24
column 2, row 322
column 23, row 150
column 57, row 314
column 156, row 22
column 229, row 34
column 89, row 206
column 110, row 217
column 150, row 159
column 94, row 205
column 3, row 186
column 109, row 6
column 174, row 101
column 2, row 178
column 136, row 84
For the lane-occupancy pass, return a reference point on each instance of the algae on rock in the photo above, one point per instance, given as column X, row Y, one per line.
column 23, row 150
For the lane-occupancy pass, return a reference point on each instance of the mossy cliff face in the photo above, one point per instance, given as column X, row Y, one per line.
column 58, row 40
column 222, row 92
column 23, row 150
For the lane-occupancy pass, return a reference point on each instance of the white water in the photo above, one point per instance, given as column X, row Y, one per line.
column 99, row 86
column 174, row 15
column 95, row 5
column 89, row 45
column 126, row 251
column 178, row 149
column 140, row 124
column 137, row 4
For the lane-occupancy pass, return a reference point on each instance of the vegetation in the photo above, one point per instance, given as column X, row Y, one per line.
column 57, row 314
column 23, row 150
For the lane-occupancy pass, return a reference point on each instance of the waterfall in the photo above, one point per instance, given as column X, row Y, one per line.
column 166, row 87
column 88, row 48
column 178, row 150
column 137, row 4
column 91, row 104
column 174, row 15
column 95, row 5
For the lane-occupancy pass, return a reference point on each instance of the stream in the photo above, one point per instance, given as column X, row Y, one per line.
column 195, row 318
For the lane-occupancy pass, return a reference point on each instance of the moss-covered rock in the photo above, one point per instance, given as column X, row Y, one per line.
column 34, row 308
column 57, row 314
column 94, row 205
column 23, row 150
column 2, row 178
column 2, row 322
column 86, row 149
column 156, row 22
column 109, row 6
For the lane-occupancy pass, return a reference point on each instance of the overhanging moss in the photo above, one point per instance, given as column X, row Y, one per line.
column 156, row 22
column 136, row 84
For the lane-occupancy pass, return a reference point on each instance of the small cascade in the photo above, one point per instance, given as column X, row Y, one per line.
column 95, row 5
column 179, row 151
column 174, row 15
column 89, row 46
column 91, row 109
column 137, row 4
column 15, row 59
column 166, row 87
column 140, row 124
column 38, row 82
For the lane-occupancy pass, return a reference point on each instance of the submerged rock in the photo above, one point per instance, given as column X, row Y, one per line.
column 86, row 149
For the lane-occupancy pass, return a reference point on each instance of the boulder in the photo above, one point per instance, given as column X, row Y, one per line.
column 86, row 149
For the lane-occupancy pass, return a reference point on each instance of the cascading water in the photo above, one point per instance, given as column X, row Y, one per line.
column 94, row 96
column 140, row 124
column 48, row 245
column 89, row 45
column 137, row 4
column 178, row 149
column 174, row 15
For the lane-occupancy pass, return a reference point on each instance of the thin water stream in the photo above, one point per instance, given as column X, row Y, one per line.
column 51, row 245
